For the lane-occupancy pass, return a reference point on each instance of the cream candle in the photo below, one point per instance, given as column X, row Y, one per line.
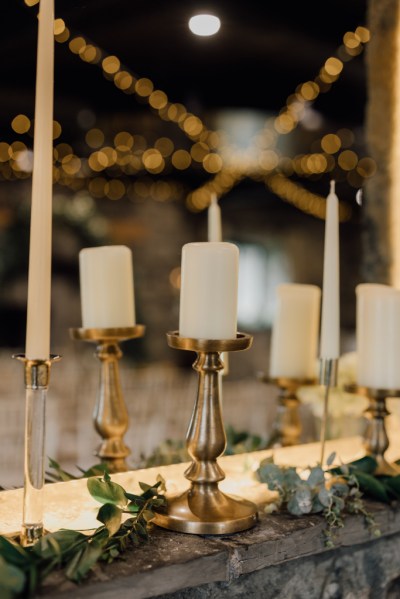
column 214, row 220
column 39, row 278
column 209, row 289
column 294, row 338
column 106, row 279
column 330, row 323
column 378, row 336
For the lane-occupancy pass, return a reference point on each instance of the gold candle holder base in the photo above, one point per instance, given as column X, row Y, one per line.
column 110, row 415
column 376, row 440
column 204, row 508
column 287, row 427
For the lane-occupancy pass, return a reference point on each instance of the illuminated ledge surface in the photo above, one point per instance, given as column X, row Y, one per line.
column 281, row 558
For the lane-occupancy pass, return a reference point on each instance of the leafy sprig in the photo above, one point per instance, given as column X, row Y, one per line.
column 22, row 570
column 331, row 494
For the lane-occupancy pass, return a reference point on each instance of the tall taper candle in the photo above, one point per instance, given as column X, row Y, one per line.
column 330, row 327
column 39, row 280
column 214, row 220
column 209, row 288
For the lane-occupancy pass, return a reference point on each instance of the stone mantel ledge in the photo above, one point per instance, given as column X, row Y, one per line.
column 282, row 557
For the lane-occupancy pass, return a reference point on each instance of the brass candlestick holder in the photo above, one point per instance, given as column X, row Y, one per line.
column 110, row 415
column 287, row 426
column 376, row 440
column 204, row 508
column 36, row 377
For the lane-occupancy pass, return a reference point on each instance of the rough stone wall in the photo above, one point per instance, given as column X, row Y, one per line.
column 380, row 114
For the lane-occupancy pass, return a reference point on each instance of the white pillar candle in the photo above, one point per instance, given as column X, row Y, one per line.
column 214, row 220
column 209, row 289
column 294, row 338
column 106, row 278
column 378, row 336
column 39, row 279
column 330, row 323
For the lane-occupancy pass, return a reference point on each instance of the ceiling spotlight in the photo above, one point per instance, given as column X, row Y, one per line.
column 204, row 24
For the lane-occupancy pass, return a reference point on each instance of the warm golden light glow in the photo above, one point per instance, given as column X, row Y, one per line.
column 63, row 36
column 181, row 159
column 347, row 160
column 158, row 99
column 57, row 129
column 59, row 26
column 77, row 44
column 94, row 138
column 212, row 163
column 153, row 160
column 123, row 141
column 111, row 64
column 114, row 189
column 331, row 143
column 165, row 146
column 123, row 80
column 144, row 87
column 21, row 124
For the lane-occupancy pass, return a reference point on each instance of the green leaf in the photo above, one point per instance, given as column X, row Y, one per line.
column 148, row 515
column 367, row 464
column 133, row 507
column 58, row 543
column 303, row 497
column 317, row 477
column 13, row 553
column 290, row 478
column 392, row 483
column 96, row 470
column 272, row 475
column 325, row 497
column 105, row 491
column 371, row 486
column 12, row 578
column 145, row 487
column 110, row 515
column 60, row 474
column 331, row 458
column 83, row 561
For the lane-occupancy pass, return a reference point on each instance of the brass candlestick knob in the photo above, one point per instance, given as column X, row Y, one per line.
column 376, row 440
column 110, row 414
column 204, row 508
column 287, row 426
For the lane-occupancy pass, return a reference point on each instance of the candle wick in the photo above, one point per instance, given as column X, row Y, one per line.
column 332, row 190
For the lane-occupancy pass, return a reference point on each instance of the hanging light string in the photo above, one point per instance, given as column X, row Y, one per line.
column 228, row 169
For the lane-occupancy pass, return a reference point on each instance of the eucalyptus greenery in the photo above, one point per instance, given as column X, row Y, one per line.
column 332, row 494
column 22, row 570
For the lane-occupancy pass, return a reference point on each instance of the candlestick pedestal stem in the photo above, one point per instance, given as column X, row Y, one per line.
column 110, row 414
column 36, row 376
column 204, row 508
column 287, row 426
column 376, row 440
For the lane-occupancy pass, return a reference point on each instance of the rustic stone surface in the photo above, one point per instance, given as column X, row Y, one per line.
column 282, row 557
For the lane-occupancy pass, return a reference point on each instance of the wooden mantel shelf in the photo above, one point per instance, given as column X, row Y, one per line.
column 282, row 557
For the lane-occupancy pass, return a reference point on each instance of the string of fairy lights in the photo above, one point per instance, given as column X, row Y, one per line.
column 108, row 170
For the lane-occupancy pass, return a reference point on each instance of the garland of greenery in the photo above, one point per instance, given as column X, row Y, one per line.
column 332, row 494
column 22, row 570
